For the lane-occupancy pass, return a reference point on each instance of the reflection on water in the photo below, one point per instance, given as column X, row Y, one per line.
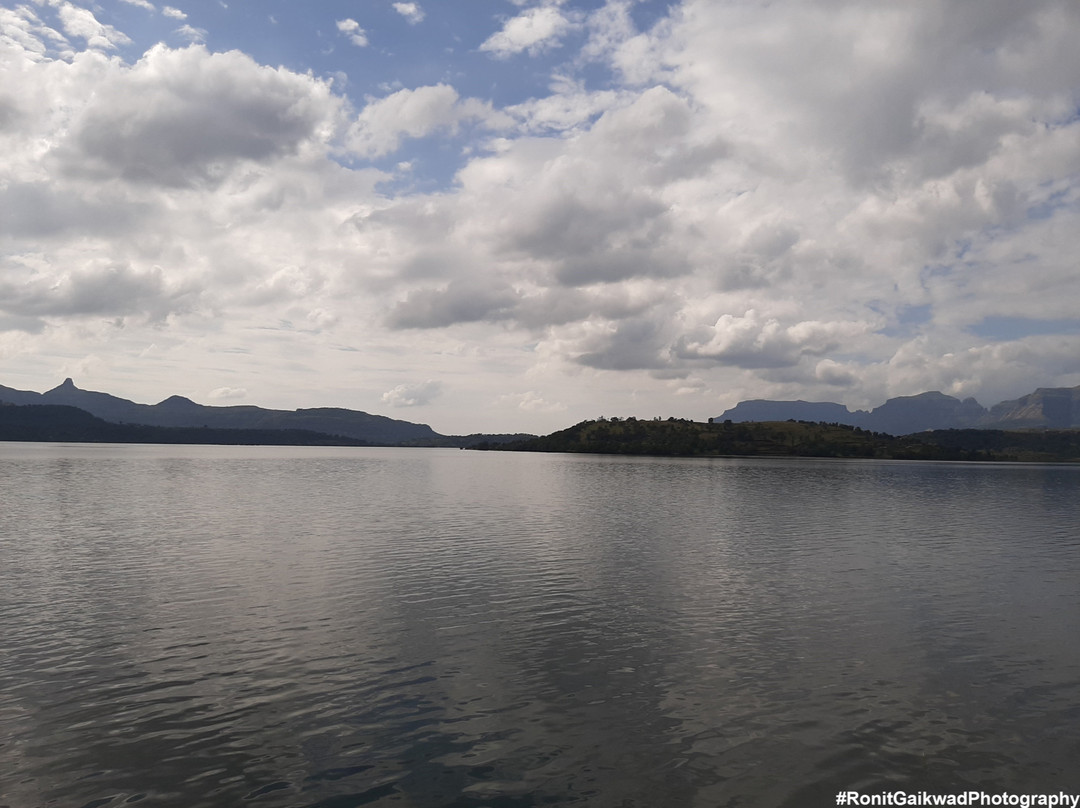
column 210, row 626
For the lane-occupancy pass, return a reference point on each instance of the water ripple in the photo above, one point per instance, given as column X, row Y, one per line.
column 208, row 626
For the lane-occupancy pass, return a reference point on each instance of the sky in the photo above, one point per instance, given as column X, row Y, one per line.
column 513, row 215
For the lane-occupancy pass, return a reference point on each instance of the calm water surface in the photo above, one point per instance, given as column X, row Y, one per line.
column 220, row 626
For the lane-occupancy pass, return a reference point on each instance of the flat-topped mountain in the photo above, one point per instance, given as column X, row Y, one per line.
column 1046, row 408
column 906, row 414
column 760, row 409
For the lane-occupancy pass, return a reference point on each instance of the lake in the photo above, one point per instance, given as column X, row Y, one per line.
column 334, row 627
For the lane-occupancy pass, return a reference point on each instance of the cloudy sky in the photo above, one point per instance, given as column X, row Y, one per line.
column 511, row 215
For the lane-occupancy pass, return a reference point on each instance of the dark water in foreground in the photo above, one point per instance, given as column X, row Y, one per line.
column 212, row 626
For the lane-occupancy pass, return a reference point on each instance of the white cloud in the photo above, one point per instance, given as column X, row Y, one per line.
column 100, row 289
column 185, row 117
column 145, row 4
column 726, row 192
column 322, row 318
column 568, row 108
column 383, row 122
column 227, row 393
column 351, row 28
column 836, row 374
column 175, row 13
column 81, row 22
column 751, row 341
column 413, row 395
column 25, row 34
column 458, row 302
column 112, row 172
column 410, row 11
column 609, row 28
column 192, row 34
column 766, row 200
column 532, row 402
column 534, row 30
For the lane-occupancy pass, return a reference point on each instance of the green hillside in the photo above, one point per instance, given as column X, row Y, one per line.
column 678, row 437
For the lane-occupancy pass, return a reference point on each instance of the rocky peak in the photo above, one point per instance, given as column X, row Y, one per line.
column 179, row 402
column 66, row 386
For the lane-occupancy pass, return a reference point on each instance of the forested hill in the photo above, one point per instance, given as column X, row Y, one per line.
column 800, row 439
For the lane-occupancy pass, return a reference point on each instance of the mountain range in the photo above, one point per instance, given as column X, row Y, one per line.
column 180, row 412
column 1046, row 408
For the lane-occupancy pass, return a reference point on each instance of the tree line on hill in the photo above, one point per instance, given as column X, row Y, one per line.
column 679, row 437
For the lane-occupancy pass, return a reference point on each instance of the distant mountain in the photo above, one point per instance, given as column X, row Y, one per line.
column 177, row 411
column 760, row 409
column 933, row 410
column 1056, row 408
column 60, row 422
column 1047, row 407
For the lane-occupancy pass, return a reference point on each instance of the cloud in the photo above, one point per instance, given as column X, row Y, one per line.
column 635, row 343
column 593, row 209
column 22, row 33
column 532, row 402
column 109, row 188
column 174, row 13
column 410, row 11
column 752, row 341
column 81, row 22
column 28, row 325
column 590, row 243
column 413, row 395
column 384, row 122
column 145, row 4
column 227, row 393
column 321, row 318
column 866, row 88
column 458, row 302
column 42, row 209
column 191, row 33
column 351, row 28
column 989, row 372
column 569, row 108
column 535, row 30
column 559, row 306
column 836, row 374
column 187, row 117
column 609, row 28
column 802, row 200
column 682, row 193
column 286, row 284
column 97, row 289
